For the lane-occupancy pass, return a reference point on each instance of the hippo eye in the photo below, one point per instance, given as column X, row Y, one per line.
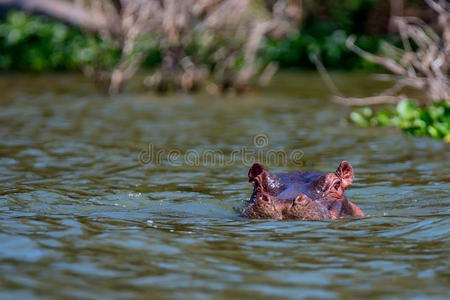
column 337, row 185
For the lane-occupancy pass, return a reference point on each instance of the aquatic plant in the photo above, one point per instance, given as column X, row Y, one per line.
column 432, row 120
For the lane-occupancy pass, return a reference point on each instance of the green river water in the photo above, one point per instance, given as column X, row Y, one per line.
column 137, row 196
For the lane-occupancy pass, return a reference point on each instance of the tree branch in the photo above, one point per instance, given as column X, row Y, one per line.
column 65, row 11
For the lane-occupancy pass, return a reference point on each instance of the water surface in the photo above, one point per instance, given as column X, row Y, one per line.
column 85, row 213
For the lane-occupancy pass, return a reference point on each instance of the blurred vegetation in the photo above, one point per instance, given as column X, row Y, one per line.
column 432, row 120
column 422, row 64
column 191, row 44
column 36, row 43
column 325, row 28
column 295, row 50
column 31, row 43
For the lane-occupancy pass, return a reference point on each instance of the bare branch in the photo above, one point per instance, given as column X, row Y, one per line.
column 388, row 63
column 425, row 68
column 228, row 32
column 67, row 12
column 325, row 76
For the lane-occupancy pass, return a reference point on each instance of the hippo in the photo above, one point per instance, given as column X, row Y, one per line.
column 301, row 195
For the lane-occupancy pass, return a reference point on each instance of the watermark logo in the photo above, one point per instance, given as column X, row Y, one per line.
column 260, row 151
column 260, row 140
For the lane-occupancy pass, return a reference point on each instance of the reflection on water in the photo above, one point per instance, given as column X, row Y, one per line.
column 81, row 216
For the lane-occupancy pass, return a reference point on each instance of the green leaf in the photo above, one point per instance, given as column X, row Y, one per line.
column 433, row 131
column 407, row 110
column 358, row 119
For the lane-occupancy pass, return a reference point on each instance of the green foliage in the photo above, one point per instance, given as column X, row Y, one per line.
column 37, row 44
column 331, row 48
column 325, row 16
column 433, row 120
column 324, row 31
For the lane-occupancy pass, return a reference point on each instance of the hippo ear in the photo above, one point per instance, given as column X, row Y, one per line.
column 345, row 173
column 255, row 170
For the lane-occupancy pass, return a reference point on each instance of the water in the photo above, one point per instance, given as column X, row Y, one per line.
column 86, row 211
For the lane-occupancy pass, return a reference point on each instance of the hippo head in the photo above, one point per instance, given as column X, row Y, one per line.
column 329, row 189
column 301, row 194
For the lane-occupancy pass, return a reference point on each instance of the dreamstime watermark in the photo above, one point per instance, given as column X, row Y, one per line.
column 217, row 157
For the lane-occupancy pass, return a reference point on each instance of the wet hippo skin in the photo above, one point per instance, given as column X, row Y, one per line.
column 300, row 195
